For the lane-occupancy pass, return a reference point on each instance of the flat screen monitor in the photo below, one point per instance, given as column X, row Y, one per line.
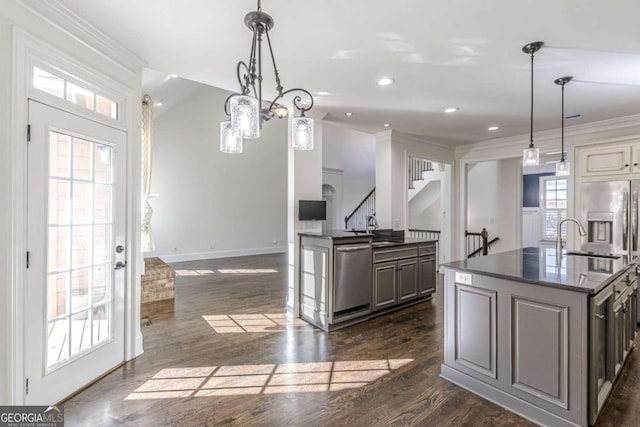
column 312, row 210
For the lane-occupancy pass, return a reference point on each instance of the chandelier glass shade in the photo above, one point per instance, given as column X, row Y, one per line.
column 245, row 117
column 302, row 133
column 229, row 143
column 562, row 167
column 248, row 110
column 531, row 154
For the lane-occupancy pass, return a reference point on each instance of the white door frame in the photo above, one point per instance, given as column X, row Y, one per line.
column 27, row 51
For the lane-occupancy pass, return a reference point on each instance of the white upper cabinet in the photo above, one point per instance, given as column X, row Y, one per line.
column 610, row 160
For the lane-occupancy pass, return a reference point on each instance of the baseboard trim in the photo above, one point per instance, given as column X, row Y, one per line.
column 194, row 256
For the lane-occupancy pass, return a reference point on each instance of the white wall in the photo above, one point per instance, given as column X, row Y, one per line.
column 494, row 201
column 424, row 208
column 354, row 153
column 213, row 204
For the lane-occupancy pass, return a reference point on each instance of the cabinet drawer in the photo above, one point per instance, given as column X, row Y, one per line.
column 427, row 250
column 380, row 255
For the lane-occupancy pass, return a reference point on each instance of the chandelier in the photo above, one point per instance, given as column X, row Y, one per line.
column 248, row 110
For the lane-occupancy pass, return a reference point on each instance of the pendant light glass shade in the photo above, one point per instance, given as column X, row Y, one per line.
column 531, row 157
column 245, row 116
column 229, row 143
column 302, row 133
column 562, row 168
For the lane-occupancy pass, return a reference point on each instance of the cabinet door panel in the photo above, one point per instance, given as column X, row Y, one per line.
column 426, row 276
column 635, row 158
column 385, row 284
column 475, row 334
column 539, row 350
column 605, row 161
column 407, row 280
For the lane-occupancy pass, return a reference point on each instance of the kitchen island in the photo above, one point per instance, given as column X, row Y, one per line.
column 348, row 277
column 542, row 338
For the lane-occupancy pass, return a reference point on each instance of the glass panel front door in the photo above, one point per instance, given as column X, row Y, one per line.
column 74, row 319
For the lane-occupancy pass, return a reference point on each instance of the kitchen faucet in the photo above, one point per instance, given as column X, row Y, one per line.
column 375, row 223
column 559, row 236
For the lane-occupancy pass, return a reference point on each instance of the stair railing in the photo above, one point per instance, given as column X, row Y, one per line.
column 357, row 220
column 416, row 167
column 478, row 244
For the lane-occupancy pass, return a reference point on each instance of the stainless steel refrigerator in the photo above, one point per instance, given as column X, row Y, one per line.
column 609, row 210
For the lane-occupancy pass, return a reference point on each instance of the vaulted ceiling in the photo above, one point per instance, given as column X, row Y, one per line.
column 464, row 54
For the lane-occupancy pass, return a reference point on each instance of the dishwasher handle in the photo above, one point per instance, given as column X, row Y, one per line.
column 350, row 248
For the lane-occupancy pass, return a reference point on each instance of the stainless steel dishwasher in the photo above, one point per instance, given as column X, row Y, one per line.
column 352, row 276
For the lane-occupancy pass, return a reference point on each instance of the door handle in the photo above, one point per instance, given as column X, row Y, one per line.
column 600, row 316
column 120, row 265
column 352, row 248
column 634, row 221
column 625, row 221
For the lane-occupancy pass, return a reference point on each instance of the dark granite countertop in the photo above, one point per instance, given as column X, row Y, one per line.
column 537, row 266
column 336, row 234
column 400, row 242
column 379, row 240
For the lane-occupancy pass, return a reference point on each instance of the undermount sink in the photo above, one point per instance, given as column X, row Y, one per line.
column 593, row 255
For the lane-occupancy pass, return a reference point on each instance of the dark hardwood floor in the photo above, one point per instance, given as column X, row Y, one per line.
column 229, row 369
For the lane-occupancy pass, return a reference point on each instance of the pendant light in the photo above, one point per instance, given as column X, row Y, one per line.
column 531, row 154
column 245, row 108
column 562, row 167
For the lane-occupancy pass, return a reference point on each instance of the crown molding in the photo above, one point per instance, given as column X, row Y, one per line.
column 67, row 21
column 548, row 139
column 412, row 139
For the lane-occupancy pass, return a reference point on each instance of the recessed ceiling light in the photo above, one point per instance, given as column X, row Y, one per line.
column 386, row 125
column 385, row 81
column 323, row 93
column 451, row 110
column 492, row 128
column 173, row 76
column 348, row 114
column 159, row 104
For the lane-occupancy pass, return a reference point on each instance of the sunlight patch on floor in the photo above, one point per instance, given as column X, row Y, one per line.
column 225, row 271
column 194, row 272
column 246, row 270
column 237, row 380
column 242, row 323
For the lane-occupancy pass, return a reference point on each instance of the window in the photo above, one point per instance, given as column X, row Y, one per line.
column 61, row 88
column 553, row 198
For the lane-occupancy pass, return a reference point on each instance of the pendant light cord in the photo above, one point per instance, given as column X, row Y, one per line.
column 531, row 134
column 562, row 159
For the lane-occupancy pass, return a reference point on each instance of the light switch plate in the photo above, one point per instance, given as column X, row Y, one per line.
column 464, row 278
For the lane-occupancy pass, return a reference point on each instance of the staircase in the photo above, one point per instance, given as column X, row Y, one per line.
column 416, row 168
column 357, row 220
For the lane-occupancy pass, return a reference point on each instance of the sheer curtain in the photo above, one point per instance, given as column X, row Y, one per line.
column 147, row 118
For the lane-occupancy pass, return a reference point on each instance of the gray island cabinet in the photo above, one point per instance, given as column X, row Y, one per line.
column 544, row 340
column 346, row 277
